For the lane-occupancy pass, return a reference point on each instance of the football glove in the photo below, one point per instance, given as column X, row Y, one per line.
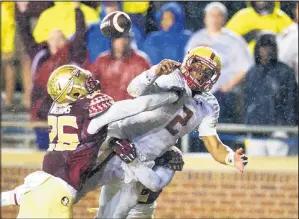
column 124, row 149
column 172, row 159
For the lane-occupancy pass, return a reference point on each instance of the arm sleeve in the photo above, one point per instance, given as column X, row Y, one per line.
column 31, row 47
column 78, row 48
column 208, row 126
column 126, row 108
column 154, row 180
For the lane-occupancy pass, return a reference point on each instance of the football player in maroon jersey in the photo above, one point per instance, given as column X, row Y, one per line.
column 78, row 121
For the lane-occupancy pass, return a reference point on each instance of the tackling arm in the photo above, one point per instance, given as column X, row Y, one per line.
column 144, row 83
column 126, row 108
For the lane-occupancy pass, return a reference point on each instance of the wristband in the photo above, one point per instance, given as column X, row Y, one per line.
column 151, row 75
column 230, row 159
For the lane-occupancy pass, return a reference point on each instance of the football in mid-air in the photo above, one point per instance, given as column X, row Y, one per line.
column 115, row 24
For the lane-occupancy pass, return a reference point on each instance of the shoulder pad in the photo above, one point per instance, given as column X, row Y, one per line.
column 98, row 103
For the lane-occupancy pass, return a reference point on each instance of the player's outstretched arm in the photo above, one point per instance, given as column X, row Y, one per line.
column 144, row 82
column 224, row 154
column 126, row 108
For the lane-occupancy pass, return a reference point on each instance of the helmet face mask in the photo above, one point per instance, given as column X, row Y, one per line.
column 69, row 83
column 200, row 71
column 92, row 85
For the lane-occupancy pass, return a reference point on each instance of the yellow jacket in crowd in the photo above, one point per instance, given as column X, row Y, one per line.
column 8, row 27
column 61, row 16
column 135, row 7
column 247, row 21
column 132, row 7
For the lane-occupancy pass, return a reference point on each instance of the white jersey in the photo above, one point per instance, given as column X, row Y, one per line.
column 155, row 131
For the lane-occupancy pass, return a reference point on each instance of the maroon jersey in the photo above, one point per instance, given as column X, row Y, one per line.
column 72, row 150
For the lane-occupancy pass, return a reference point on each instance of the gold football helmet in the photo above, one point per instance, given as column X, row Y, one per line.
column 206, row 63
column 69, row 83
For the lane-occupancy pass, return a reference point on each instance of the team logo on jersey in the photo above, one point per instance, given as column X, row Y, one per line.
column 65, row 201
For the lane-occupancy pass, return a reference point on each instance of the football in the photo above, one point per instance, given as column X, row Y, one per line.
column 115, row 24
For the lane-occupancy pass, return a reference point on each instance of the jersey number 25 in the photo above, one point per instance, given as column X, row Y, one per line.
column 65, row 141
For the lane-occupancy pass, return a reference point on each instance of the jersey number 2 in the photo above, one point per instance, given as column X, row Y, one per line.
column 65, row 141
column 179, row 119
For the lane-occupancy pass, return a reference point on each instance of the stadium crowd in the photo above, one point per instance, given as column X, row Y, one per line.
column 257, row 43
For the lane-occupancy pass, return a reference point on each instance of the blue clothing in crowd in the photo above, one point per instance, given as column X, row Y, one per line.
column 160, row 44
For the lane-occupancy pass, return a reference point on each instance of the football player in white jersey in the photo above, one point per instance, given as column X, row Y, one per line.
column 197, row 109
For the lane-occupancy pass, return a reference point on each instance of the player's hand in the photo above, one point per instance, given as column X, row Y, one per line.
column 240, row 160
column 172, row 159
column 124, row 149
column 22, row 6
column 166, row 66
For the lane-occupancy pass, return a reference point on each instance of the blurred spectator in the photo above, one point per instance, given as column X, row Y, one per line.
column 45, row 58
column 258, row 16
column 195, row 14
column 116, row 68
column 150, row 24
column 97, row 42
column 288, row 45
column 7, row 50
column 93, row 4
column 61, row 16
column 172, row 38
column 288, row 7
column 34, row 9
column 276, row 145
column 11, row 42
column 270, row 88
column 235, row 56
column 9, row 60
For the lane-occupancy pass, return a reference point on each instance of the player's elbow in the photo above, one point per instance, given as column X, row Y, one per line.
column 133, row 90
